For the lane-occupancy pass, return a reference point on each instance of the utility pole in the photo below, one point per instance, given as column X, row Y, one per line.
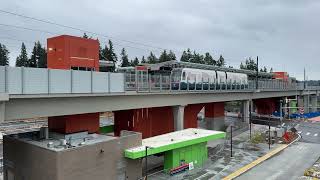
column 231, row 140
column 304, row 78
column 257, row 83
column 146, row 158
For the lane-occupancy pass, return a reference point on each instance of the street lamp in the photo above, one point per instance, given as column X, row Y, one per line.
column 146, row 158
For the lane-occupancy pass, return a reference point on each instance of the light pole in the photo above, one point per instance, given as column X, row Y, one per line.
column 257, row 83
column 146, row 157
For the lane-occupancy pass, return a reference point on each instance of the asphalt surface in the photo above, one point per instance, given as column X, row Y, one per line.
column 291, row 163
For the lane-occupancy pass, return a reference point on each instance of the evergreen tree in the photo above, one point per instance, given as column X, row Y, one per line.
column 124, row 58
column 271, row 70
column 42, row 55
column 135, row 62
column 85, row 35
column 186, row 56
column 250, row 64
column 4, row 55
column 265, row 69
column 221, row 62
column 242, row 66
column 143, row 60
column 197, row 58
column 38, row 56
column 164, row 56
column 152, row 59
column 22, row 59
column 172, row 56
column 33, row 61
column 209, row 60
column 109, row 54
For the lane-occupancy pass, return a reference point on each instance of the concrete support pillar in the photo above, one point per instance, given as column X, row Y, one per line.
column 178, row 114
column 306, row 104
column 245, row 110
column 314, row 103
column 300, row 102
column 2, row 111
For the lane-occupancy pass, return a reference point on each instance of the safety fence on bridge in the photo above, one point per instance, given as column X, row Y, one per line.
column 159, row 82
column 20, row 80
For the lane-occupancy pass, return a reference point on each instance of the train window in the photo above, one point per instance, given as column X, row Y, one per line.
column 75, row 68
column 183, row 75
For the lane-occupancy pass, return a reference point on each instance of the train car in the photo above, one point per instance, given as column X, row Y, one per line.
column 199, row 79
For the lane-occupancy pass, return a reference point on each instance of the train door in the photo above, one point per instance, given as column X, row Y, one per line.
column 142, row 78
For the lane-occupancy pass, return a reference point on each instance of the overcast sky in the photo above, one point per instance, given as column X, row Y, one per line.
column 283, row 33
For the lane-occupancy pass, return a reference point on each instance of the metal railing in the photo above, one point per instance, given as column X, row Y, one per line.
column 159, row 82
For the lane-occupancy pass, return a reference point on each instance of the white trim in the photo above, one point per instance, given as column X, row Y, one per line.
column 82, row 58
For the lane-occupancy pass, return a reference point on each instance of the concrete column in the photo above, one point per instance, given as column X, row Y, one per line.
column 178, row 114
column 245, row 110
column 300, row 101
column 314, row 103
column 2, row 111
column 306, row 104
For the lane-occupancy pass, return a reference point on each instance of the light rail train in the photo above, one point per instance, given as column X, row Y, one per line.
column 197, row 79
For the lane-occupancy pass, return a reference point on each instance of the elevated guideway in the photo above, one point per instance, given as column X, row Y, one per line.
column 33, row 92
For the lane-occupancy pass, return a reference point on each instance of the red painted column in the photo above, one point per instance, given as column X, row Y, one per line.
column 191, row 115
column 74, row 123
column 266, row 106
column 214, row 110
column 149, row 121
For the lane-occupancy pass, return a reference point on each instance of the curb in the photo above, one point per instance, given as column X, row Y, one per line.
column 258, row 161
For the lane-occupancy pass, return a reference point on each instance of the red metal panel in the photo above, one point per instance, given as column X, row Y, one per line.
column 191, row 115
column 122, row 121
column 66, row 51
column 209, row 110
column 219, row 109
column 149, row 121
column 213, row 110
column 74, row 123
column 266, row 106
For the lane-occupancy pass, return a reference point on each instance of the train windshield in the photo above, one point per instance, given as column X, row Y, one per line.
column 176, row 75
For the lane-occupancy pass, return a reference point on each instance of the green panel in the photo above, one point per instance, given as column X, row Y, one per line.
column 293, row 103
column 197, row 153
column 107, row 129
column 156, row 150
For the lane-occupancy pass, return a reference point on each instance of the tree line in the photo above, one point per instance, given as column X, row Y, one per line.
column 38, row 57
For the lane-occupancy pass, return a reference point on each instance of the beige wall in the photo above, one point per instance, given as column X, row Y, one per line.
column 101, row 161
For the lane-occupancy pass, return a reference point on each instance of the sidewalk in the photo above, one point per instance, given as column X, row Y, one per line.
column 220, row 164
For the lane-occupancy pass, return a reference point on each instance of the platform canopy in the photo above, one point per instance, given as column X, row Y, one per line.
column 174, row 140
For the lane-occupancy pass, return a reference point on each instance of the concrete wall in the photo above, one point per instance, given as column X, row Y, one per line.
column 17, row 80
column 101, row 161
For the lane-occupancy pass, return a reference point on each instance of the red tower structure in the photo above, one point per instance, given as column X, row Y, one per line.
column 70, row 52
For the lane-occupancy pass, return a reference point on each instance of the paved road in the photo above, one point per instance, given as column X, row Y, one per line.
column 289, row 164
column 309, row 131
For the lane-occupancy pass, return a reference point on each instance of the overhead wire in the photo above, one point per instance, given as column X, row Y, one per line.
column 78, row 29
column 81, row 30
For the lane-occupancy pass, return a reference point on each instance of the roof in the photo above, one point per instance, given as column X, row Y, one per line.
column 174, row 140
column 180, row 64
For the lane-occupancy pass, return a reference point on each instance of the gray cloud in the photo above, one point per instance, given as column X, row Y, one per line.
column 283, row 33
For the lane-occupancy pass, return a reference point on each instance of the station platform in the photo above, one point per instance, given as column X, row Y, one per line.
column 188, row 146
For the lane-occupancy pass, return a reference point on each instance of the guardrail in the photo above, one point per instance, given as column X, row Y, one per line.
column 158, row 82
column 20, row 80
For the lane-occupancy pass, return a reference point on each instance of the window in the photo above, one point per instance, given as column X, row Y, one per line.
column 183, row 75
